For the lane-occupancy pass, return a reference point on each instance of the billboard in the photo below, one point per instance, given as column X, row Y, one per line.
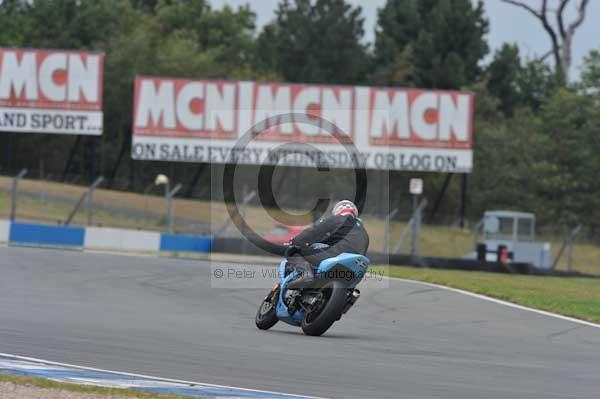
column 221, row 121
column 51, row 91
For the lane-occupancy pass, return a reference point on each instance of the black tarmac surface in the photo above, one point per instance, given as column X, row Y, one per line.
column 161, row 317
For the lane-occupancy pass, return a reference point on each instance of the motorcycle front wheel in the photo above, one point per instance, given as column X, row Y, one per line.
column 325, row 313
column 266, row 316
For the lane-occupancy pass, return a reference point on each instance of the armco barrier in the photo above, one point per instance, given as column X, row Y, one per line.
column 4, row 230
column 242, row 247
column 121, row 239
column 38, row 234
column 135, row 240
column 100, row 238
column 181, row 243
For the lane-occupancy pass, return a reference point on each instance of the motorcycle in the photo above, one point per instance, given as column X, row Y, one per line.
column 316, row 304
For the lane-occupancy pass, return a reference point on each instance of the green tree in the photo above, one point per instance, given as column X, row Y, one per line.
column 541, row 161
column 227, row 33
column 503, row 73
column 570, row 121
column 147, row 6
column 314, row 43
column 517, row 84
column 182, row 39
column 169, row 38
column 13, row 20
column 67, row 24
column 398, row 26
column 74, row 24
column 444, row 38
column 266, row 55
column 590, row 75
column 512, row 160
column 536, row 82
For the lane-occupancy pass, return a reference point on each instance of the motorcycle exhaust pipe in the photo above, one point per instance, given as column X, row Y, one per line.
column 351, row 300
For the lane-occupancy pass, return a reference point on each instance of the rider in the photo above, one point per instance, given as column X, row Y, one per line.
column 341, row 232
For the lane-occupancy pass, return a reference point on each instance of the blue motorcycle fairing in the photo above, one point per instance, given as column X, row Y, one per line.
column 282, row 310
column 355, row 262
column 282, row 265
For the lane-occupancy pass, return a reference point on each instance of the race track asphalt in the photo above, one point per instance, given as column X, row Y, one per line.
column 161, row 317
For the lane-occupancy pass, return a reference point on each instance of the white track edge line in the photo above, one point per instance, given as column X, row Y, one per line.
column 191, row 383
column 499, row 301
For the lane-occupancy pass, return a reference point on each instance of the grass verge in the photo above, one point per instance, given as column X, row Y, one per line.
column 45, row 384
column 575, row 297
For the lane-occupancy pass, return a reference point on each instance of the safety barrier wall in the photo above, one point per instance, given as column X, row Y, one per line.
column 45, row 235
column 121, row 239
column 137, row 240
column 180, row 243
column 4, row 230
column 100, row 238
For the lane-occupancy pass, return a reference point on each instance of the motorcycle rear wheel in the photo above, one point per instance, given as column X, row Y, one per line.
column 315, row 323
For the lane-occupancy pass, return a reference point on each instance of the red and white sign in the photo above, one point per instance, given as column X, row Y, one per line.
column 51, row 91
column 397, row 129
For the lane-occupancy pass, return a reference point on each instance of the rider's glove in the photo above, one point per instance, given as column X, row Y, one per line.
column 292, row 250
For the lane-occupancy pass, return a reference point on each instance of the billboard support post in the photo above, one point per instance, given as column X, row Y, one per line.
column 15, row 188
column 69, row 162
column 463, row 200
column 90, row 200
column 90, row 156
column 440, row 197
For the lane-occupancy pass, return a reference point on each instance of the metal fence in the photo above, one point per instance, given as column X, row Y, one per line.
column 67, row 204
column 158, row 208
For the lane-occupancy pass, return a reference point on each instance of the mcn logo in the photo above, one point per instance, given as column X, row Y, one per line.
column 226, row 110
column 415, row 118
column 53, row 79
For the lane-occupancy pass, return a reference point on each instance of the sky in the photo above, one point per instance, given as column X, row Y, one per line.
column 507, row 24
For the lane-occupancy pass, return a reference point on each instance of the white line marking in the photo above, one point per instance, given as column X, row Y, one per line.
column 499, row 301
column 32, row 359
column 109, row 252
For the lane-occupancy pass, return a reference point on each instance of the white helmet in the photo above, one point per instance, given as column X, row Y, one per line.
column 345, row 207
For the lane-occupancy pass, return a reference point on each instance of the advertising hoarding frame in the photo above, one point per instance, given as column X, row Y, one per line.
column 41, row 113
column 199, row 146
